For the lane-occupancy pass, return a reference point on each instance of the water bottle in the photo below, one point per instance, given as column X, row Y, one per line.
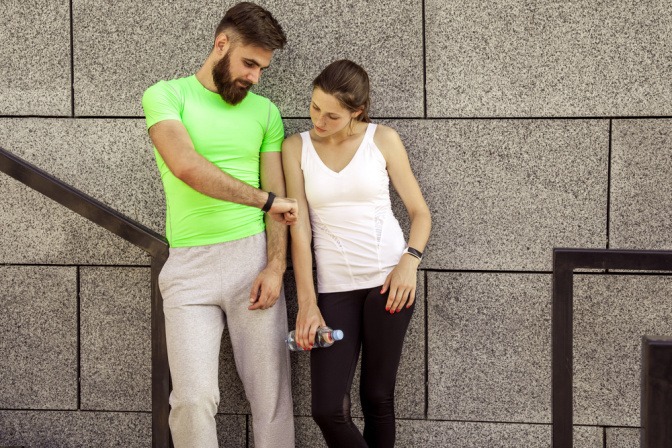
column 324, row 337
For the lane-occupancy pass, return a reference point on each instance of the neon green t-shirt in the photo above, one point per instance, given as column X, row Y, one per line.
column 232, row 138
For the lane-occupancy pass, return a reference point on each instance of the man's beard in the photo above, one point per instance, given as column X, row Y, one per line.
column 227, row 87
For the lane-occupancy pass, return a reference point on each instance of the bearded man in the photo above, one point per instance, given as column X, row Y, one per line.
column 217, row 147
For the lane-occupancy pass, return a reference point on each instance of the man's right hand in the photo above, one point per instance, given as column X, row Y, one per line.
column 284, row 210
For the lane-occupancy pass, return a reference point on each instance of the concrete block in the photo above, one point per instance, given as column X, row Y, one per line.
column 116, row 358
column 622, row 438
column 641, row 185
column 611, row 314
column 126, row 48
column 75, row 429
column 489, row 347
column 532, row 59
column 36, row 75
column 38, row 337
column 504, row 193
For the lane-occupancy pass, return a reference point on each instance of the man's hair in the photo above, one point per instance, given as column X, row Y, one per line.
column 252, row 25
column 349, row 83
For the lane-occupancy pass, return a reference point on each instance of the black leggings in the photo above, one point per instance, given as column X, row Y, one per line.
column 365, row 323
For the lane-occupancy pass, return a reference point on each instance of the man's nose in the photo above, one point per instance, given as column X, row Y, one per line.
column 254, row 75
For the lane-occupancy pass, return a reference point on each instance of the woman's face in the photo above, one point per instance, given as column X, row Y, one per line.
column 328, row 114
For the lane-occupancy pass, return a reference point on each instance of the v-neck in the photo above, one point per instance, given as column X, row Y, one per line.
column 357, row 151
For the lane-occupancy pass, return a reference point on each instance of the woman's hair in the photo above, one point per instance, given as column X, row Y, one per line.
column 253, row 25
column 349, row 83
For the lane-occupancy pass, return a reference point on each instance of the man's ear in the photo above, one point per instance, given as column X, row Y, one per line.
column 222, row 43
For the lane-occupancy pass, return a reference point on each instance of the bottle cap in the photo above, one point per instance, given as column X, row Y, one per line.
column 337, row 335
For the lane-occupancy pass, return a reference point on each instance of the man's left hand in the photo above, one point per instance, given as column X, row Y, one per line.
column 266, row 289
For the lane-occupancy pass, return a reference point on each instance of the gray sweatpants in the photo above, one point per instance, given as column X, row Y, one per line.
column 204, row 289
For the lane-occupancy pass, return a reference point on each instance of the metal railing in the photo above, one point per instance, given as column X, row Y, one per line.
column 565, row 261
column 148, row 240
column 656, row 414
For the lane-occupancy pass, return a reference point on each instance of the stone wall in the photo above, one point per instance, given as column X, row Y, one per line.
column 530, row 125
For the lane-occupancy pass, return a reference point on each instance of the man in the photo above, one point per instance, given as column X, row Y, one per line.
column 215, row 144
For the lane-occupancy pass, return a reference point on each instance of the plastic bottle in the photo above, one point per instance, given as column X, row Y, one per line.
column 324, row 337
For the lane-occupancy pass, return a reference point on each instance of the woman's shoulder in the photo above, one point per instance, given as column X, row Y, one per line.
column 292, row 144
column 387, row 138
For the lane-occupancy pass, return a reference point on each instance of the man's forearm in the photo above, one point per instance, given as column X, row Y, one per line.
column 208, row 179
column 276, row 245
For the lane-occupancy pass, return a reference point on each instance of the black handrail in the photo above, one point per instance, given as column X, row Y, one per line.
column 133, row 232
column 565, row 261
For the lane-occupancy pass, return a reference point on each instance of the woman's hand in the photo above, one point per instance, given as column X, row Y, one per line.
column 308, row 320
column 401, row 282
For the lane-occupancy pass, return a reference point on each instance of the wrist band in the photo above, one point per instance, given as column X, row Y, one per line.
column 269, row 202
column 413, row 252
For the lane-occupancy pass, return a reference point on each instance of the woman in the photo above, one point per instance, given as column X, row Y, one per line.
column 340, row 172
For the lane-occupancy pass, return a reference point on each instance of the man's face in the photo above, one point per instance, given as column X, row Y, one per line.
column 239, row 69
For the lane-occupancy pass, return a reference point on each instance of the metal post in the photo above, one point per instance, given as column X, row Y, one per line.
column 656, row 410
column 160, row 371
column 562, row 354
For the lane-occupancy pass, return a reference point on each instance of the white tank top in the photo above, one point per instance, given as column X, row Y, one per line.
column 356, row 238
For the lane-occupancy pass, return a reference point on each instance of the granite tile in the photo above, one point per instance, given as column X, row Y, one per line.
column 372, row 34
column 503, row 193
column 622, row 438
column 489, row 347
column 110, row 160
column 232, row 394
column 521, row 59
column 38, row 343
column 116, row 364
column 611, row 314
column 440, row 434
column 641, row 185
column 128, row 47
column 75, row 429
column 231, row 431
column 35, row 72
column 308, row 434
column 39, row 230
column 123, row 47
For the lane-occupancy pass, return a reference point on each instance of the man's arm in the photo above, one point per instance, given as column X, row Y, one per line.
column 266, row 288
column 173, row 143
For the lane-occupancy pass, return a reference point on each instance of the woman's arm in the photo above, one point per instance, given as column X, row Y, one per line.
column 403, row 278
column 308, row 318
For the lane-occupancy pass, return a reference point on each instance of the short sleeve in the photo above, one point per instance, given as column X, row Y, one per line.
column 161, row 102
column 275, row 133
